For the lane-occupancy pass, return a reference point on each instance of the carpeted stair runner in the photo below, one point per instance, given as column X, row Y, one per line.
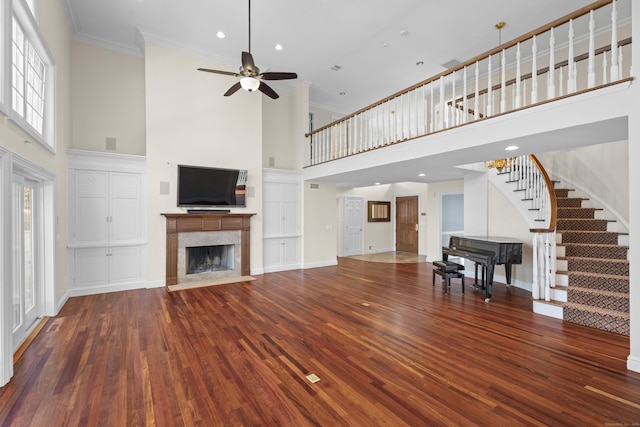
column 598, row 269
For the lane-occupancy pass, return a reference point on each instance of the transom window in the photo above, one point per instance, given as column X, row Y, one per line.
column 28, row 87
column 29, row 97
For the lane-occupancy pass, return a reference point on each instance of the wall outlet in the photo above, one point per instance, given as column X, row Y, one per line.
column 111, row 144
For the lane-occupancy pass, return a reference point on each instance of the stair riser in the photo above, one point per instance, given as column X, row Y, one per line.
column 582, row 225
column 610, row 252
column 601, row 238
column 620, row 268
column 609, row 323
column 594, row 299
column 576, row 213
column 611, row 284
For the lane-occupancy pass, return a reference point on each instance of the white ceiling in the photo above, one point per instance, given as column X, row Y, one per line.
column 319, row 34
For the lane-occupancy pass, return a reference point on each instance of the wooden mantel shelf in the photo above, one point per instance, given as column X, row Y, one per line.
column 184, row 223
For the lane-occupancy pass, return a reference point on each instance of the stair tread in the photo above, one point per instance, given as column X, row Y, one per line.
column 589, row 245
column 552, row 302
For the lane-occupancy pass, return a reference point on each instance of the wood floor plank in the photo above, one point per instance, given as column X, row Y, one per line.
column 389, row 349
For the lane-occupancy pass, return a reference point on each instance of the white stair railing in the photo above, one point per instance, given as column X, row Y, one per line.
column 467, row 93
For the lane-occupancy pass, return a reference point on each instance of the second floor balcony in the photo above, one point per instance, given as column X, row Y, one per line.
column 562, row 84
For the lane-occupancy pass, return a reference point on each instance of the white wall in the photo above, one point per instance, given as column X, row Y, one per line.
column 601, row 170
column 320, row 222
column 434, row 220
column 189, row 121
column 108, row 100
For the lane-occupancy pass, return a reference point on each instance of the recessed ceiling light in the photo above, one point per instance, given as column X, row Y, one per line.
column 419, row 63
column 404, row 32
column 422, row 174
column 385, row 44
column 343, row 93
column 512, row 148
column 377, row 183
column 220, row 35
column 278, row 46
column 336, row 68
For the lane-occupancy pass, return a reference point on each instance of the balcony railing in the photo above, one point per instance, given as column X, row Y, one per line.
column 587, row 49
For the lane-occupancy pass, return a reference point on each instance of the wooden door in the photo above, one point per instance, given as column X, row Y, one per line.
column 407, row 224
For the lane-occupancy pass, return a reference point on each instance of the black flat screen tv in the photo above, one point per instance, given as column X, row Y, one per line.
column 211, row 187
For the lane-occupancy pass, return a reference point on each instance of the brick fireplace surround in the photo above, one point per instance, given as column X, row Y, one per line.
column 205, row 222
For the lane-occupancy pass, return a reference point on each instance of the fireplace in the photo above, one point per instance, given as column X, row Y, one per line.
column 204, row 259
column 206, row 247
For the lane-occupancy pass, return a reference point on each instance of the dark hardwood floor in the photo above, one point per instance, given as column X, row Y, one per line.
column 389, row 349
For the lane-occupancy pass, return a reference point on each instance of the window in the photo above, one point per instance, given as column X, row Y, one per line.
column 32, row 76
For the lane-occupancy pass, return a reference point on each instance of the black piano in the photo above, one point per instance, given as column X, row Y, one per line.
column 487, row 252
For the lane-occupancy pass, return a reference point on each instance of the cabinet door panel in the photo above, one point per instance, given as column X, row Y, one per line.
column 91, row 267
column 272, row 252
column 91, row 207
column 125, row 264
column 290, row 209
column 290, row 251
column 125, row 222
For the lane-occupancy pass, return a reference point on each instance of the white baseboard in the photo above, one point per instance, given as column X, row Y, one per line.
column 320, row 264
column 79, row 292
column 633, row 363
column 61, row 302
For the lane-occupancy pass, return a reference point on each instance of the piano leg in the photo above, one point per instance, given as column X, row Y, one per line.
column 507, row 273
column 487, row 294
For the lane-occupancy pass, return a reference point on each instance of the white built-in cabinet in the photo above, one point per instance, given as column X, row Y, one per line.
column 107, row 236
column 282, row 235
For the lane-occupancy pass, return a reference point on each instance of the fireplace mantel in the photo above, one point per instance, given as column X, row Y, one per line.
column 184, row 223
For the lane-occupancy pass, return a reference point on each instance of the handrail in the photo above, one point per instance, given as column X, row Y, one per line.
column 540, row 30
column 553, row 204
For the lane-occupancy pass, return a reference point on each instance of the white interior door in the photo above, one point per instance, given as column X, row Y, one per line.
column 353, row 227
column 27, row 294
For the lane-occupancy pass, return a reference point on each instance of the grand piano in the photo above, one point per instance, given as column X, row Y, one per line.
column 487, row 252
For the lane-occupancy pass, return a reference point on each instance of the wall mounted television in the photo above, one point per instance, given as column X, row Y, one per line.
column 211, row 187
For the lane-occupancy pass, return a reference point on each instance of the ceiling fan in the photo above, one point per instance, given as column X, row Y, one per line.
column 250, row 76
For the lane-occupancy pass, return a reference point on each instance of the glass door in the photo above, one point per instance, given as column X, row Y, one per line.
column 26, row 307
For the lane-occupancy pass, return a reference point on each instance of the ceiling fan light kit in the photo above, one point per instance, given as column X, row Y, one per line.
column 251, row 79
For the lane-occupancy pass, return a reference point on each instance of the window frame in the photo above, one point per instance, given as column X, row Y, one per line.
column 23, row 15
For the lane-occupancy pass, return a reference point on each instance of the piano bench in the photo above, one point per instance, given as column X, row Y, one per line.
column 447, row 270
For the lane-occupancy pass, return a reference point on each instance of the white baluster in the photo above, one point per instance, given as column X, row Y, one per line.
column 524, row 93
column 551, row 83
column 591, row 63
column 442, row 110
column 534, row 72
column 620, row 64
column 465, row 98
column 561, row 80
column 517, row 101
column 503, row 83
column 453, row 99
column 604, row 68
column 535, row 287
column 614, row 42
column 489, row 91
column 476, row 99
column 571, row 80
column 433, row 111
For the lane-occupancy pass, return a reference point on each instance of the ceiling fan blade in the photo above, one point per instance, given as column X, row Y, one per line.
column 247, row 62
column 267, row 91
column 278, row 76
column 233, row 89
column 226, row 73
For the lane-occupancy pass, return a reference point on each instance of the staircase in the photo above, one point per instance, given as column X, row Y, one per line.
column 592, row 265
